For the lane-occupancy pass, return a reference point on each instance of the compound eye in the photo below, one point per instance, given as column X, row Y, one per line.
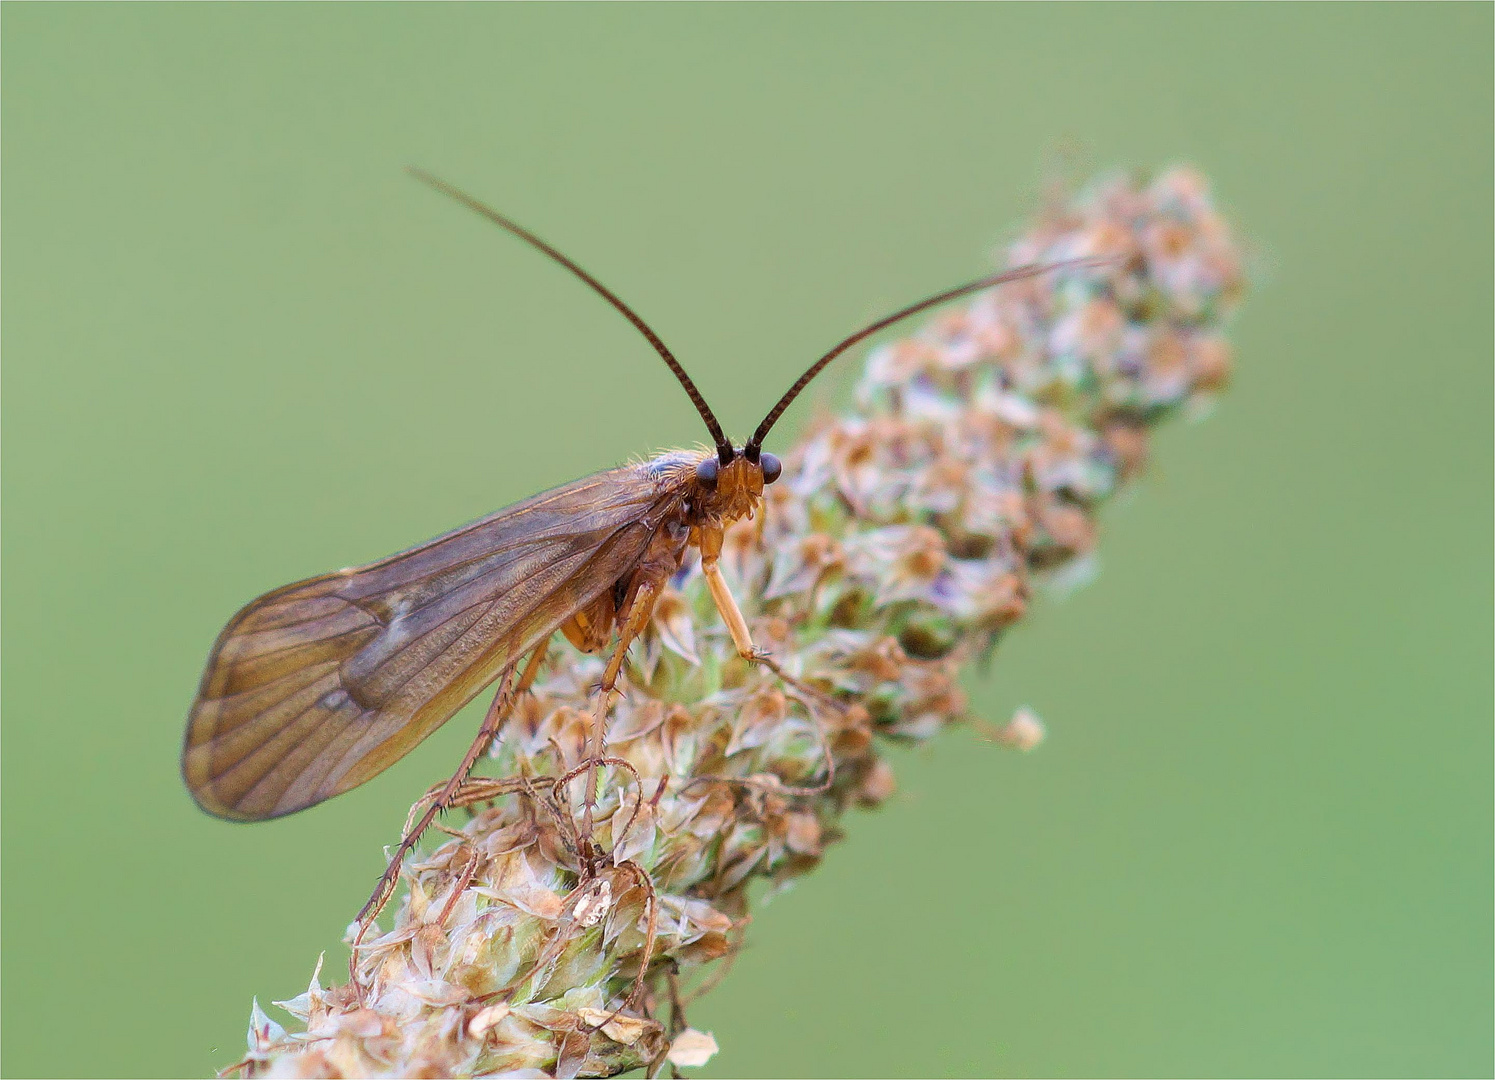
column 771, row 468
column 706, row 472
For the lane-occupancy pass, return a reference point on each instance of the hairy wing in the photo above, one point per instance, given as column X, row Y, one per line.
column 314, row 688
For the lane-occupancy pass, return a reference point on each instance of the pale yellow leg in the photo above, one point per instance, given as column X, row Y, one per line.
column 742, row 638
column 731, row 614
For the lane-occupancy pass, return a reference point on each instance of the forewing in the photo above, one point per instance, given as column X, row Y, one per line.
column 314, row 688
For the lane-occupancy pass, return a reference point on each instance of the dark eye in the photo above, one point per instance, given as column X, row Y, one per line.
column 771, row 468
column 706, row 472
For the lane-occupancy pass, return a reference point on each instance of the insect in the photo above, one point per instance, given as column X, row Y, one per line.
column 317, row 687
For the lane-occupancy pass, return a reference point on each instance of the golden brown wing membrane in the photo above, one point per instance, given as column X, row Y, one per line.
column 314, row 688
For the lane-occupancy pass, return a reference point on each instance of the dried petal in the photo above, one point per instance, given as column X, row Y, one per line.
column 621, row 1028
column 596, row 899
column 1023, row 732
column 692, row 1049
column 486, row 1019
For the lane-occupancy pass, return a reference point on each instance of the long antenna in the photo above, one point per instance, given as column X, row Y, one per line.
column 754, row 445
column 723, row 446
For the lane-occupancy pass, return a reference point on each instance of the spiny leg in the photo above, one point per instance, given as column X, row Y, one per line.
column 651, row 936
column 532, row 669
column 498, row 712
column 639, row 613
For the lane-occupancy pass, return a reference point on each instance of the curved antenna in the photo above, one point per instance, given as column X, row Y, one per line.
column 723, row 446
column 753, row 446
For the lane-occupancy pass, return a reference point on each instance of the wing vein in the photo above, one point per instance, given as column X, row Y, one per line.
column 317, row 687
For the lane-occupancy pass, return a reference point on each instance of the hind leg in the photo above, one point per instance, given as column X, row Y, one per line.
column 493, row 719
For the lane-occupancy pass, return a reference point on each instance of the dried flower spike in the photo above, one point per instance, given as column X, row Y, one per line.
column 902, row 540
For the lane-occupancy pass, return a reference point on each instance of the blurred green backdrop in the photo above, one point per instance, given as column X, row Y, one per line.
column 241, row 347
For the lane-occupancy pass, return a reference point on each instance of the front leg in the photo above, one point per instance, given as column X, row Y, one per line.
column 742, row 637
column 726, row 605
column 710, row 540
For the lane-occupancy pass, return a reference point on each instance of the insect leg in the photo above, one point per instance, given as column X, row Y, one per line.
column 742, row 638
column 710, row 540
column 726, row 604
column 498, row 712
column 646, row 590
column 531, row 669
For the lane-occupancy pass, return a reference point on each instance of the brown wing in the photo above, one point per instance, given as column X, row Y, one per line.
column 314, row 688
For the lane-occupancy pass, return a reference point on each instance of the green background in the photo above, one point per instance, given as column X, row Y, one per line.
column 242, row 347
